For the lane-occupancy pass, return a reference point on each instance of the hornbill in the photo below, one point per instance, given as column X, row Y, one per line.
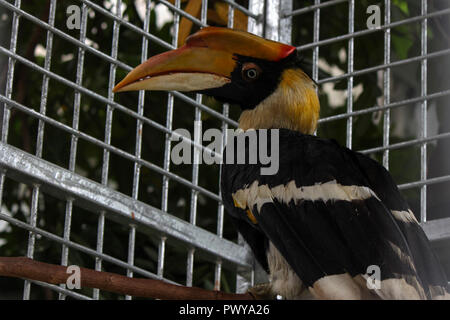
column 329, row 214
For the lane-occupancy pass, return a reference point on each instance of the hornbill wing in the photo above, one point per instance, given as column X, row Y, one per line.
column 427, row 264
column 328, row 212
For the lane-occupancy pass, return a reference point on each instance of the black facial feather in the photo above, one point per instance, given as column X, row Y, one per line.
column 249, row 93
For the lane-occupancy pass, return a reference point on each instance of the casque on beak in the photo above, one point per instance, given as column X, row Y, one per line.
column 185, row 69
column 206, row 61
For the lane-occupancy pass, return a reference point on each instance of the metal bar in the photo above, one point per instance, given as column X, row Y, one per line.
column 421, row 183
column 285, row 24
column 10, row 74
column 45, row 80
column 118, row 106
column 243, row 281
column 387, row 83
column 92, row 195
column 350, row 57
column 276, row 27
column 194, row 194
column 115, row 104
column 315, row 54
column 424, row 114
column 74, row 139
column 272, row 18
column 315, row 7
column 244, row 278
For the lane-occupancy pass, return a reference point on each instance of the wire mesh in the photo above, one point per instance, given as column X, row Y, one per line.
column 423, row 139
column 423, row 97
column 140, row 210
column 220, row 251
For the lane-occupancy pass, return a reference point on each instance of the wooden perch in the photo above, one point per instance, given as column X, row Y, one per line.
column 22, row 267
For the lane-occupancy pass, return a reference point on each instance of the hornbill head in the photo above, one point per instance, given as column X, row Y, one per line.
column 263, row 77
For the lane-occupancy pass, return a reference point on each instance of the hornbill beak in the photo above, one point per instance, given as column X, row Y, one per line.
column 206, row 61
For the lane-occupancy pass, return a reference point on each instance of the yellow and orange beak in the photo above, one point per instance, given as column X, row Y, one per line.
column 206, row 61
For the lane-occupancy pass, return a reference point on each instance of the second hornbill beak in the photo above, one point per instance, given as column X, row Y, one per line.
column 206, row 61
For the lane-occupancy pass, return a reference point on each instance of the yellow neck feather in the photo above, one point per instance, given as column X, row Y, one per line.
column 294, row 105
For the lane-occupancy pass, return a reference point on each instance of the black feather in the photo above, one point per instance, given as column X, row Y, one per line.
column 319, row 238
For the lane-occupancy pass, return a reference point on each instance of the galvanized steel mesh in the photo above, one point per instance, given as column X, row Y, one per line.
column 273, row 19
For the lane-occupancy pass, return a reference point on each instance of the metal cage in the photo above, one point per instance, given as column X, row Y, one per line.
column 74, row 189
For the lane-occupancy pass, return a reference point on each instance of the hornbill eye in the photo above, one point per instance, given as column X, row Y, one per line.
column 250, row 71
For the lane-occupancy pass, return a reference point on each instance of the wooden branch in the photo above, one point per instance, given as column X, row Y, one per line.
column 22, row 267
